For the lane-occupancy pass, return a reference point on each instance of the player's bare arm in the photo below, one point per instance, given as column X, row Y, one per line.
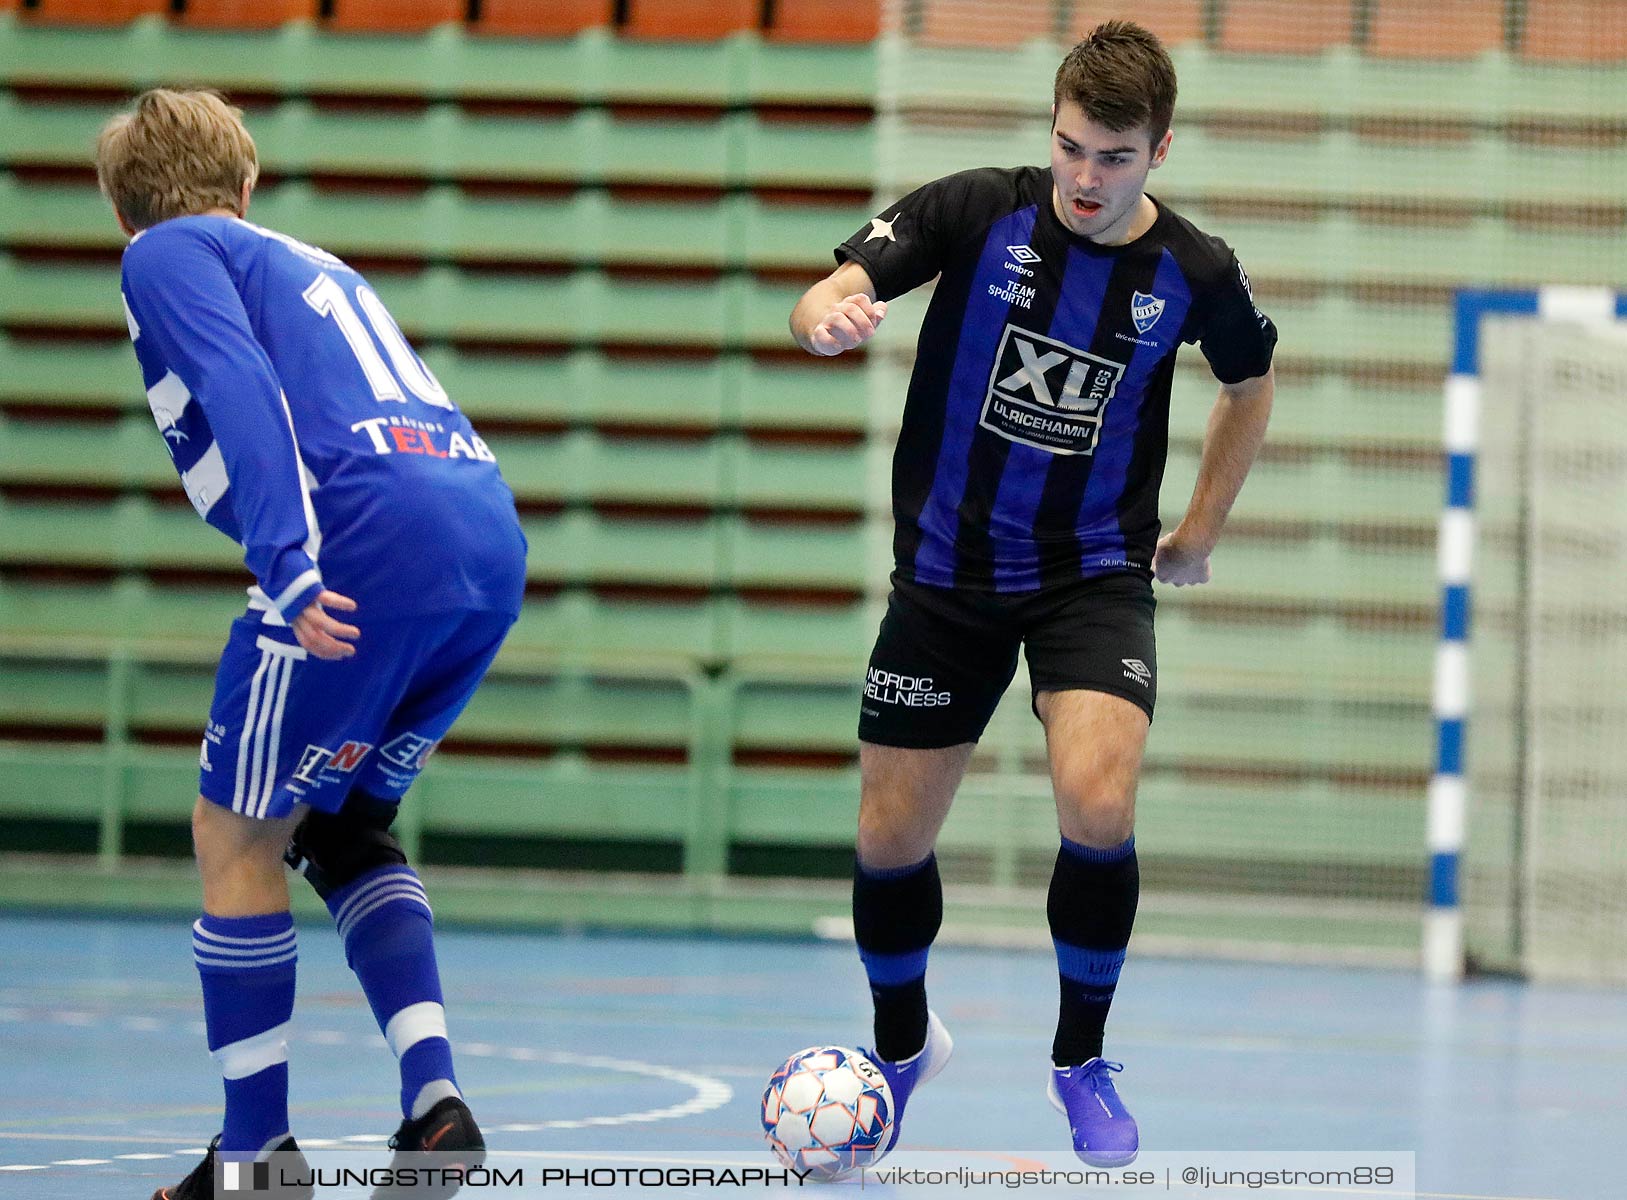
column 838, row 313
column 1236, row 430
column 323, row 634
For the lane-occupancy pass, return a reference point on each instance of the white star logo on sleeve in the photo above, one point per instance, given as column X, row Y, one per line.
column 880, row 228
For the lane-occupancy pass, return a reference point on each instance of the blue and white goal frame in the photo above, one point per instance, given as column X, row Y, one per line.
column 1443, row 948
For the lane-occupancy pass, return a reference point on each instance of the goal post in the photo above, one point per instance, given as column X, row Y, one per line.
column 1536, row 457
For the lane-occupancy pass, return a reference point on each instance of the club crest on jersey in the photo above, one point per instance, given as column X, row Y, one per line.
column 1048, row 394
column 1145, row 310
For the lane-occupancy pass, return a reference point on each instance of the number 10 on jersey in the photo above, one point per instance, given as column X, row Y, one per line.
column 327, row 296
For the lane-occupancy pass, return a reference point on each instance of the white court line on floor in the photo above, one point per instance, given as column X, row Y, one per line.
column 710, row 1093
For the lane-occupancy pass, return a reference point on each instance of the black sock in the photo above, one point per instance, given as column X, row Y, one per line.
column 896, row 914
column 1092, row 906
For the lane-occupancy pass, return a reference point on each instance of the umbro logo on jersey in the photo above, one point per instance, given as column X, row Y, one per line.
column 1145, row 310
column 1023, row 255
column 1137, row 670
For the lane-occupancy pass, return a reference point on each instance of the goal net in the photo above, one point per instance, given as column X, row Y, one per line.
column 1545, row 882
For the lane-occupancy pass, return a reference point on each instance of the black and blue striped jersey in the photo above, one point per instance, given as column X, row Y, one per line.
column 1036, row 427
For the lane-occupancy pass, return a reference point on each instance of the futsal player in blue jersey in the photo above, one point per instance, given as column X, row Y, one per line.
column 1025, row 495
column 388, row 565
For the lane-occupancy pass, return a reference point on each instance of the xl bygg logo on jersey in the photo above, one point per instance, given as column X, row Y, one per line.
column 1048, row 394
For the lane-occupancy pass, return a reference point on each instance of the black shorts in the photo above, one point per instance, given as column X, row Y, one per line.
column 944, row 657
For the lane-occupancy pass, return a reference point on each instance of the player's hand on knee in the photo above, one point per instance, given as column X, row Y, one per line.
column 850, row 324
column 1177, row 563
column 322, row 634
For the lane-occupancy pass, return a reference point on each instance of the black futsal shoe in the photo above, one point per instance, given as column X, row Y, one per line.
column 284, row 1175
column 433, row 1153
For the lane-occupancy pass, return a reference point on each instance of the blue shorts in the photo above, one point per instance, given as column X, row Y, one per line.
column 288, row 728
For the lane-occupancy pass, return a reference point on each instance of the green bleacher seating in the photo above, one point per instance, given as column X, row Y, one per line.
column 587, row 386
column 1307, row 822
column 127, row 454
column 802, row 478
column 443, row 142
column 1337, row 85
column 1288, row 734
column 593, row 67
column 584, row 547
column 1324, row 489
column 595, row 226
column 567, row 794
column 803, row 394
column 130, row 531
column 772, row 715
column 577, row 624
column 1330, row 166
column 573, row 628
column 441, row 302
column 1311, row 658
column 580, row 710
column 759, row 634
column 1317, row 572
column 53, row 693
column 586, row 467
column 772, row 555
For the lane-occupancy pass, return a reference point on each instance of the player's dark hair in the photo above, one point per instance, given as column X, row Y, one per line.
column 1122, row 77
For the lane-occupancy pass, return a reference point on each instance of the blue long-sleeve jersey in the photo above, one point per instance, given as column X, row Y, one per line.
column 307, row 430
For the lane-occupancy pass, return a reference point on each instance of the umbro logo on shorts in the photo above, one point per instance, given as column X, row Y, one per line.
column 1138, row 671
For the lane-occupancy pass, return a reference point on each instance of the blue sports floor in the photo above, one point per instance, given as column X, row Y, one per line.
column 605, row 1044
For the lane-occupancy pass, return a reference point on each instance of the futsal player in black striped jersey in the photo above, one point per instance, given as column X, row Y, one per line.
column 1025, row 494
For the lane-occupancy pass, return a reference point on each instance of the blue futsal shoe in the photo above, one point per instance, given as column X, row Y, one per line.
column 1104, row 1132
column 904, row 1076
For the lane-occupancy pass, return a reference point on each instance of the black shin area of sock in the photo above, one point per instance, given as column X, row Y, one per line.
column 896, row 914
column 1091, row 907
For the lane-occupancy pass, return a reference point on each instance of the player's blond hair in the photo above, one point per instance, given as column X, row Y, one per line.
column 175, row 154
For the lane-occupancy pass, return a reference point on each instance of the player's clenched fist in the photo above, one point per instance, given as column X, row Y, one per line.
column 851, row 323
column 1177, row 563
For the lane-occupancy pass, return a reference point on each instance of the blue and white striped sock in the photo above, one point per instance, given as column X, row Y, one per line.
column 246, row 965
column 388, row 931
